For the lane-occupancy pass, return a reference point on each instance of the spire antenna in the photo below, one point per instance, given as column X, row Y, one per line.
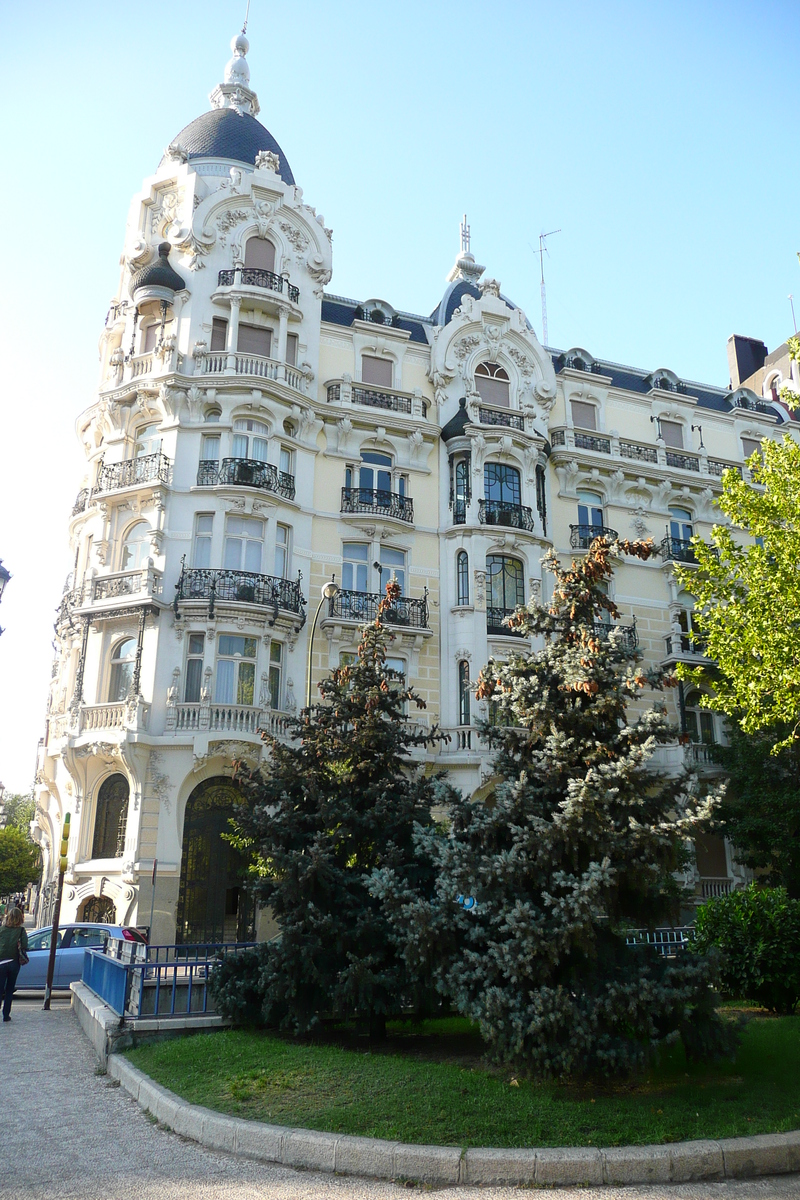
column 246, row 17
column 542, row 251
column 464, row 233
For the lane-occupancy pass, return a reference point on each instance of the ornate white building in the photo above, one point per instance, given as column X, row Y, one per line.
column 254, row 435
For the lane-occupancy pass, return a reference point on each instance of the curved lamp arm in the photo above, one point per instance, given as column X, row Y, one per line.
column 329, row 590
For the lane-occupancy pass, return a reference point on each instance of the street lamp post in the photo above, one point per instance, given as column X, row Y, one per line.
column 329, row 590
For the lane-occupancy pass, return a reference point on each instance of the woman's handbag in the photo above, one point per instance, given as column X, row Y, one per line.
column 22, row 957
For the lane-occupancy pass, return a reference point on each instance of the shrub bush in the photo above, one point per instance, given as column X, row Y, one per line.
column 758, row 932
column 236, row 988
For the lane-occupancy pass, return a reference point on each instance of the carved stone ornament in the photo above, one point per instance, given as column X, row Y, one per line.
column 176, row 153
column 268, row 160
column 490, row 287
column 296, row 238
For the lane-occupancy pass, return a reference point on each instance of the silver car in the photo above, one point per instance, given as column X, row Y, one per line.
column 72, row 941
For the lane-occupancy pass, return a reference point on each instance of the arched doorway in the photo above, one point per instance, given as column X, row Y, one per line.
column 212, row 904
column 99, row 909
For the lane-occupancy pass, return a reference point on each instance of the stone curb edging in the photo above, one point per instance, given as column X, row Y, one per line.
column 678, row 1162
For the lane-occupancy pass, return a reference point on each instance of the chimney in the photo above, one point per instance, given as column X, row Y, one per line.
column 745, row 356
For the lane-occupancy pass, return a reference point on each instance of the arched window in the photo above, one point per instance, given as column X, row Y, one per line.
column 505, row 588
column 491, row 383
column 123, row 659
column 135, row 546
column 99, row 910
column 111, row 818
column 680, row 525
column 590, row 519
column 259, row 253
column 501, row 484
column 464, row 716
column 462, row 578
column 250, row 439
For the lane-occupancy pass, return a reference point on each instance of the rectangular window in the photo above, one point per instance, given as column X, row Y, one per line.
column 398, row 679
column 236, row 669
column 393, row 563
column 286, row 461
column 282, row 551
column 292, row 343
column 275, row 671
column 750, row 446
column 150, row 338
column 210, row 447
column 194, row 668
column 203, row 530
column 219, row 334
column 377, row 371
column 355, row 566
column 244, row 544
column 253, row 339
column 671, row 434
column 584, row 416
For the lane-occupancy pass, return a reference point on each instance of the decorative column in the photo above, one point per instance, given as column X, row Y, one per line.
column 283, row 322
column 233, row 334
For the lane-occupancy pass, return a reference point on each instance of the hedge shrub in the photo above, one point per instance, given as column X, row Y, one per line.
column 758, row 932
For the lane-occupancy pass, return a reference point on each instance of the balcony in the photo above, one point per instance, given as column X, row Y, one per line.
column 81, row 500
column 498, row 416
column 245, row 472
column 242, row 587
column 686, row 462
column 582, row 536
column 375, row 397
column 220, row 362
column 150, row 468
column 717, row 467
column 590, row 441
column 685, row 646
column 624, row 636
column 258, row 278
column 494, row 622
column 379, row 502
column 506, row 513
column 120, row 588
column 677, row 550
column 459, row 508
column 638, row 453
column 362, row 607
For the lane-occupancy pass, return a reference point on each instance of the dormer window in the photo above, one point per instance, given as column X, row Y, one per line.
column 259, row 253
column 584, row 416
column 671, row 433
column 492, row 384
column 377, row 371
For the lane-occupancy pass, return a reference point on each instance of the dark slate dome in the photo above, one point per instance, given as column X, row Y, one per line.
column 225, row 133
column 158, row 274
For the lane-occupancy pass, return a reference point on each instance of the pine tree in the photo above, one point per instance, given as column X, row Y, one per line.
column 332, row 806
column 577, row 845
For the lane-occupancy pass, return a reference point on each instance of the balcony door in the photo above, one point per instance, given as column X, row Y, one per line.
column 505, row 586
column 501, row 484
column 590, row 510
column 250, row 440
column 372, row 479
column 680, row 525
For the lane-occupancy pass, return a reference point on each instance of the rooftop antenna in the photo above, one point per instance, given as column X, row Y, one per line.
column 464, row 228
column 794, row 319
column 246, row 17
column 542, row 251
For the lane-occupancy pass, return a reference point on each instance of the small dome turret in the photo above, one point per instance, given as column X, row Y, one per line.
column 158, row 280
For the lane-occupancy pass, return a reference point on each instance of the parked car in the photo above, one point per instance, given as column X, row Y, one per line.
column 72, row 941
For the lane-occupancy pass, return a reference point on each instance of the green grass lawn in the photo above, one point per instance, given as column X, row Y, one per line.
column 429, row 1086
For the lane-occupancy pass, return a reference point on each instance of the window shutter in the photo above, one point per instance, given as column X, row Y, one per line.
column 377, row 371
column 259, row 253
column 254, row 340
column 219, row 333
column 672, row 434
column 584, row 416
column 291, row 349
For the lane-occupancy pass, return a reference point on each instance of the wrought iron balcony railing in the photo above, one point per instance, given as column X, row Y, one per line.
column 590, row 441
column 638, row 452
column 256, row 277
column 494, row 621
column 459, row 508
column 81, row 500
column 759, row 406
column 582, row 536
column 245, row 472
column 372, row 398
column 147, row 469
column 495, row 416
column 408, row 611
column 245, row 587
column 505, row 512
column 677, row 550
column 687, row 462
column 625, row 636
column 379, row 501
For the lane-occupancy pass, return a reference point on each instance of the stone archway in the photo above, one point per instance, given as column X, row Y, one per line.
column 99, row 909
column 212, row 903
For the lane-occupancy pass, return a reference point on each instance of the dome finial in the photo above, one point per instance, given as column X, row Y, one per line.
column 465, row 265
column 235, row 91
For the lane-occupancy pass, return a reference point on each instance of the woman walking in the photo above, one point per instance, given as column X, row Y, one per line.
column 13, row 944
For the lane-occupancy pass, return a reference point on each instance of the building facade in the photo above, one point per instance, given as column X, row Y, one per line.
column 254, row 436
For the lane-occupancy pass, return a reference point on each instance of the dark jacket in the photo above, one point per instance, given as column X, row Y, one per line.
column 10, row 939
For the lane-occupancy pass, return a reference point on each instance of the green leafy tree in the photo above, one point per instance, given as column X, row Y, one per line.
column 747, row 596
column 536, row 888
column 330, row 808
column 19, row 809
column 760, row 807
column 19, row 861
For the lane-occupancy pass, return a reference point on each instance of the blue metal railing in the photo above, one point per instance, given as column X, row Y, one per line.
column 138, row 981
column 667, row 941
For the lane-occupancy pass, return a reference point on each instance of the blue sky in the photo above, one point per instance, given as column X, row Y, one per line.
column 657, row 136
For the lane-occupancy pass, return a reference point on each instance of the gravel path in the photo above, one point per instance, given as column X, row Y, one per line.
column 67, row 1132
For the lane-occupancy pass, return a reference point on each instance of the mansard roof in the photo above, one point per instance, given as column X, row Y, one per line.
column 338, row 310
column 236, row 136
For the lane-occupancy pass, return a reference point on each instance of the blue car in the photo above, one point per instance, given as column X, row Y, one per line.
column 72, row 941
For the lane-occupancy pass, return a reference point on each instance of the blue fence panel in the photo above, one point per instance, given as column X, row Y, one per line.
column 107, row 978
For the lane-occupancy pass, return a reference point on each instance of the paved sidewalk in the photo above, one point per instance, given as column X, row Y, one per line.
column 66, row 1132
